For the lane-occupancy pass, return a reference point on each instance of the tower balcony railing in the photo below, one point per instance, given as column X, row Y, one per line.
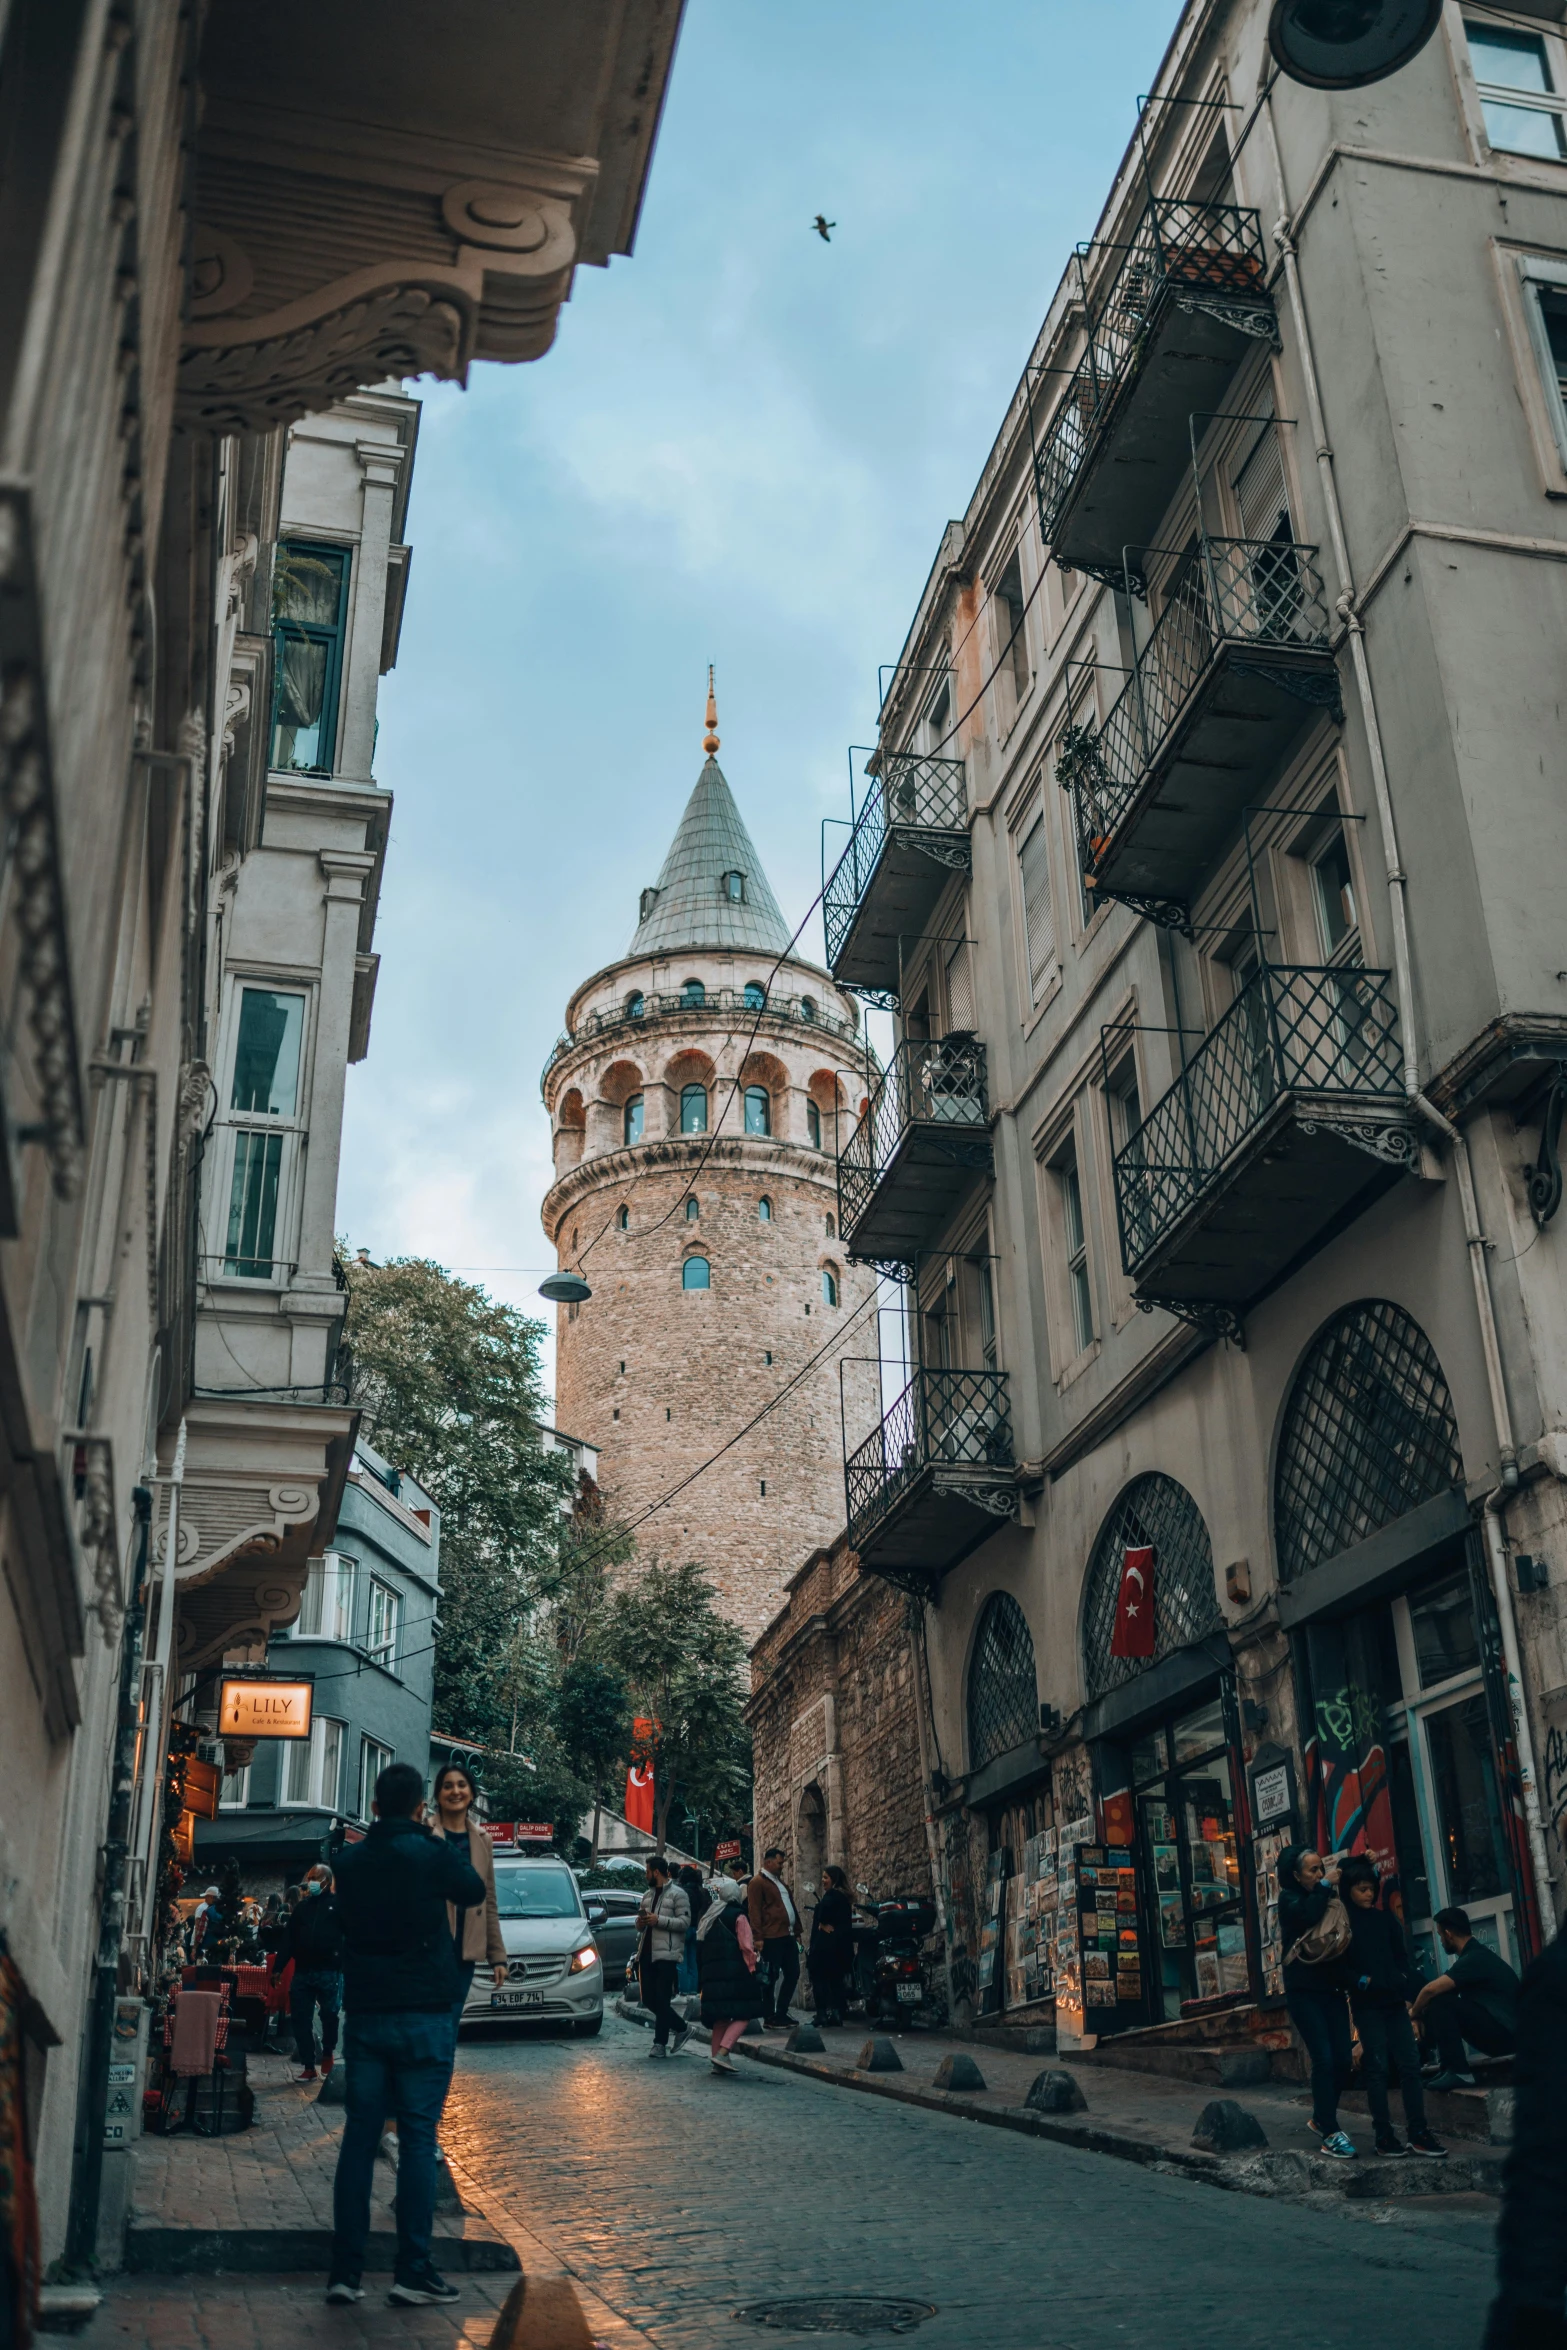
column 917, row 1149
column 1236, row 664
column 1170, row 314
column 1289, row 1115
column 908, row 840
column 726, row 1006
column 932, row 1479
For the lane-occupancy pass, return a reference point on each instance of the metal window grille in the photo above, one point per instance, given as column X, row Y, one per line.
column 1152, row 1512
column 943, row 1419
column 1003, row 1695
column 915, row 794
column 937, row 1081
column 1369, row 1433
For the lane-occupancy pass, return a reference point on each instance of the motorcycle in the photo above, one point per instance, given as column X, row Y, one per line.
column 900, row 1984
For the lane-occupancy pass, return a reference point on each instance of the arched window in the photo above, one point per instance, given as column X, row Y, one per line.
column 813, row 1125
column 1003, row 1695
column 764, row 1209
column 636, row 1004
column 807, row 1007
column 1369, row 1432
column 696, row 1273
column 693, row 995
column 1153, row 1513
column 758, row 1110
column 632, row 1123
column 623, row 1219
column 755, row 996
column 693, row 1109
column 733, row 887
column 692, row 1210
column 827, row 1220
column 829, row 1285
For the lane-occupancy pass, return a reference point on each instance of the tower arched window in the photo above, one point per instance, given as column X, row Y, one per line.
column 755, row 996
column 693, row 995
column 696, row 1273
column 764, row 1210
column 733, row 887
column 623, row 1219
column 813, row 1125
column 693, row 1109
column 829, row 1285
column 632, row 1122
column 758, row 1110
column 827, row 1220
column 636, row 1004
column 692, row 1210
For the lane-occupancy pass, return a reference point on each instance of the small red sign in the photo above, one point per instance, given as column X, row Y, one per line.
column 729, row 1850
column 501, row 1831
column 535, row 1828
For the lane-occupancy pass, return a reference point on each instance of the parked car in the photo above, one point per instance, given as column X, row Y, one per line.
column 613, row 1917
column 553, row 1970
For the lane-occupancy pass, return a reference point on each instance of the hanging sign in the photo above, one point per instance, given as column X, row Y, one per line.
column 254, row 1708
column 728, row 1850
column 1133, row 1635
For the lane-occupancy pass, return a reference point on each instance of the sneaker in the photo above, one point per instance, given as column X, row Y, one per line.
column 724, row 2064
column 387, row 2149
column 344, row 2289
column 422, row 2289
column 309, row 2074
column 1422, row 2142
column 1452, row 2081
column 1342, row 2148
column 326, row 2067
column 682, row 2035
column 658, row 2049
column 1391, row 2148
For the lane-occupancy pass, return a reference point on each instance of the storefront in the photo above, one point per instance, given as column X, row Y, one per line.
column 1009, row 1791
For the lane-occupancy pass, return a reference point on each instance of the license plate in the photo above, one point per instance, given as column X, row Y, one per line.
column 516, row 1999
column 911, row 1992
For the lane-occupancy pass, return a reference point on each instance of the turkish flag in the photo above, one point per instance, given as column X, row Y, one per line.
column 1133, row 1634
column 639, row 1797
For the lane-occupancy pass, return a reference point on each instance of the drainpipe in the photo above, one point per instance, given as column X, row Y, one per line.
column 1475, row 1240
column 924, row 1705
column 156, row 1736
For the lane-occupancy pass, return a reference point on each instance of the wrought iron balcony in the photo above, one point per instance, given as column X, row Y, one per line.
column 1287, row 1118
column 916, row 1151
column 910, row 837
column 1168, row 324
column 1237, row 662
column 932, row 1480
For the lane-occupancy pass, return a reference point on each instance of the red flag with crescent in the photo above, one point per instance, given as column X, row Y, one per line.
column 1134, row 1630
column 639, row 1797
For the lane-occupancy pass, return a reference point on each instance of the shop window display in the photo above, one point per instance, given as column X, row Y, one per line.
column 1185, row 1800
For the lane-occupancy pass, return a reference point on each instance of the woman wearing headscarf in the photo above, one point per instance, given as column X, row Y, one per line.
column 1315, row 1989
column 726, row 1962
column 830, row 1959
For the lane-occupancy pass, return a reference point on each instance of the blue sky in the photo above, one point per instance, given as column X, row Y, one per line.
column 742, row 449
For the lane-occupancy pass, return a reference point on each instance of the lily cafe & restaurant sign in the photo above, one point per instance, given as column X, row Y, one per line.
column 255, row 1708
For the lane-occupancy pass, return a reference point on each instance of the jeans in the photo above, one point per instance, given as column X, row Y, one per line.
column 399, row 2063
column 688, row 1975
column 1387, row 2042
column 1454, row 2018
column 465, row 1970
column 1322, row 2020
column 317, row 1987
column 661, row 1980
column 781, row 1957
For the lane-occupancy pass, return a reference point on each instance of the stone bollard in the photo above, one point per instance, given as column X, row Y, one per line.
column 878, row 2056
column 753, row 2030
column 334, row 2089
column 1056, row 2093
column 958, row 2072
column 541, row 2313
column 805, row 2040
column 1223, row 2127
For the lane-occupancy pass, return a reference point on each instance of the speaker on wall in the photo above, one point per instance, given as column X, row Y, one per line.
column 1343, row 44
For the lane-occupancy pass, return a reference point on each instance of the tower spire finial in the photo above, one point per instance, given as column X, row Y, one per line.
column 710, row 739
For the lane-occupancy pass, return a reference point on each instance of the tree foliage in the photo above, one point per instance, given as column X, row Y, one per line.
column 684, row 1666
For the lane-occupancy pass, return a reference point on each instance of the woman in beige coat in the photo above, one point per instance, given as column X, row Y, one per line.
column 476, row 1932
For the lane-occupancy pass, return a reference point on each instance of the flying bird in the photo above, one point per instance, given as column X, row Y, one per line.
column 824, row 228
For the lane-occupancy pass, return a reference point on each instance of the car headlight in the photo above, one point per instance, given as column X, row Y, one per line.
column 585, row 1955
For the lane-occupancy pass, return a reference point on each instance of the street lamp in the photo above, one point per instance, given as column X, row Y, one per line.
column 1343, row 44
column 565, row 1289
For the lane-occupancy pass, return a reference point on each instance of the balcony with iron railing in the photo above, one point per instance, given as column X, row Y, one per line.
column 1236, row 666
column 1289, row 1118
column 1170, row 314
column 917, row 1150
column 933, row 1478
column 713, row 1007
column 906, row 843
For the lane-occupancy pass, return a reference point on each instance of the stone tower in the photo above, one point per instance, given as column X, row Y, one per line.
column 695, row 1101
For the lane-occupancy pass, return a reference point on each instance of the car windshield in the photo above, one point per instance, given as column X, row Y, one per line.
column 536, row 1893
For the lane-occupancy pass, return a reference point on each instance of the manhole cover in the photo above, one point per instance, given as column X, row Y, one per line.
column 842, row 2314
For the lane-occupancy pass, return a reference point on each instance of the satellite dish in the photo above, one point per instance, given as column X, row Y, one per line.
column 565, row 1289
column 1343, row 44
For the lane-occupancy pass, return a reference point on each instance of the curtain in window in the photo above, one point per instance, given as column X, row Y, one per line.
column 1038, row 927
column 960, row 990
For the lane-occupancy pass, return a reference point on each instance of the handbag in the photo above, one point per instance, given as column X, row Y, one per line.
column 1329, row 1938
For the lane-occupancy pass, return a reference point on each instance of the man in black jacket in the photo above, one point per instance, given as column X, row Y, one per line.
column 1531, row 2235
column 313, row 1939
column 400, row 1984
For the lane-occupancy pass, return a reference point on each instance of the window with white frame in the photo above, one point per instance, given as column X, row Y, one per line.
column 264, row 1103
column 1545, row 302
column 1011, row 630
column 326, row 1611
column 373, row 1760
column 383, row 1621
column 313, row 1766
column 1039, row 933
column 1520, row 82
column 1072, row 1235
column 1333, row 895
column 234, row 1790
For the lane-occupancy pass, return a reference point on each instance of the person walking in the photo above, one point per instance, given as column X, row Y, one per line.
column 689, row 1878
column 1382, row 1982
column 315, row 1944
column 1475, row 1999
column 395, row 1890
column 1531, row 2234
column 775, row 1927
column 476, row 1933
column 1314, row 1931
column 733, row 1992
column 664, row 1918
column 830, row 1958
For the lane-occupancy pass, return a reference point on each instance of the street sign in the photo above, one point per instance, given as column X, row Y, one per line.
column 728, row 1850
column 254, row 1708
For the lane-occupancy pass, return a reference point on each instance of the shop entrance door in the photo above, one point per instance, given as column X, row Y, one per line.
column 1184, row 1778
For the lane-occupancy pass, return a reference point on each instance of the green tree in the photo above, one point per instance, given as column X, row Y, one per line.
column 684, row 1666
column 593, row 1720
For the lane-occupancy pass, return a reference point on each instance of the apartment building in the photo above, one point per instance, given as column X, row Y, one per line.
column 1211, row 861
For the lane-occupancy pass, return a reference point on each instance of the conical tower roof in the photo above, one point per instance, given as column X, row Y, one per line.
column 694, row 902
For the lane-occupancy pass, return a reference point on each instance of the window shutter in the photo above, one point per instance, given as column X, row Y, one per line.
column 1259, row 490
column 960, row 989
column 1038, row 929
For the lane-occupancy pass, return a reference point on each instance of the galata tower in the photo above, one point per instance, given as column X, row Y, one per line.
column 695, row 1101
